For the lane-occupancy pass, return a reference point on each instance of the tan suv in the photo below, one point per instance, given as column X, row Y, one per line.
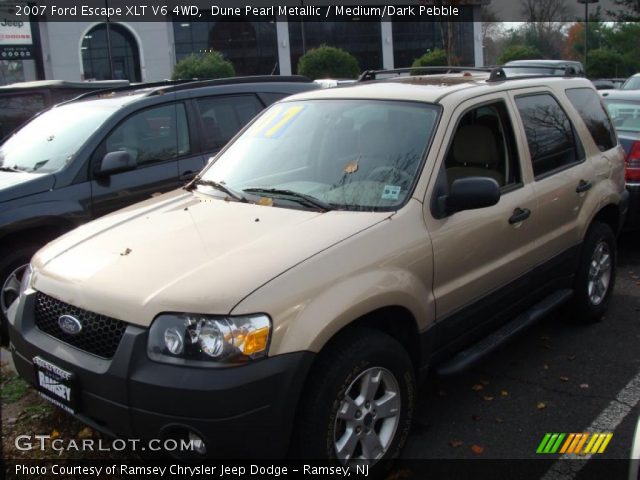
column 344, row 242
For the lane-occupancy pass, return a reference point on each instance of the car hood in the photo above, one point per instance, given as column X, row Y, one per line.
column 21, row 184
column 184, row 252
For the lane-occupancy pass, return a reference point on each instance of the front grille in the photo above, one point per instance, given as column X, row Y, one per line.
column 100, row 335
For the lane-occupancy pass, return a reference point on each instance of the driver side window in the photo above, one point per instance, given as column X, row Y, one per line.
column 484, row 146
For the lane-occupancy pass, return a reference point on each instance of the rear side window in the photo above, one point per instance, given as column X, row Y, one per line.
column 223, row 117
column 550, row 135
column 588, row 104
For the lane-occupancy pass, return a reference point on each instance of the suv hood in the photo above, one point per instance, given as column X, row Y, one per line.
column 184, row 252
column 22, row 184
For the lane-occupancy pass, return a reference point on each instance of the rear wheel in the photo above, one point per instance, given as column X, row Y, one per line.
column 596, row 275
column 12, row 268
column 359, row 401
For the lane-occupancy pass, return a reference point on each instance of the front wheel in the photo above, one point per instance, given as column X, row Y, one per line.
column 596, row 275
column 359, row 401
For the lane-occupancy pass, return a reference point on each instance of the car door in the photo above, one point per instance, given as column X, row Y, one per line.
column 220, row 118
column 562, row 177
column 155, row 138
column 479, row 254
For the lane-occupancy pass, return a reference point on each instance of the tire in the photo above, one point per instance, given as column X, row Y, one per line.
column 358, row 357
column 11, row 264
column 595, row 278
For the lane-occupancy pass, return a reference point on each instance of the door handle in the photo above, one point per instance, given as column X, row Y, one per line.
column 519, row 215
column 583, row 186
column 187, row 176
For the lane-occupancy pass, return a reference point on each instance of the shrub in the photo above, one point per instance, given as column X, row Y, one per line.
column 434, row 58
column 328, row 62
column 209, row 65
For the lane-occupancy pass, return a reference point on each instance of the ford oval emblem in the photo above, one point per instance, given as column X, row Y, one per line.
column 69, row 324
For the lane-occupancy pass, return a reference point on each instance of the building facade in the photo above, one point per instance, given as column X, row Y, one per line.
column 148, row 51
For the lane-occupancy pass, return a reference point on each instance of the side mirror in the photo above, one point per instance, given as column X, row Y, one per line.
column 471, row 193
column 116, row 162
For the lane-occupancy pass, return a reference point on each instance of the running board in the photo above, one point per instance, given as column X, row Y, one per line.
column 475, row 352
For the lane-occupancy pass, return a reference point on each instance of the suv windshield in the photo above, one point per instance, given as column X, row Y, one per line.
column 348, row 154
column 49, row 141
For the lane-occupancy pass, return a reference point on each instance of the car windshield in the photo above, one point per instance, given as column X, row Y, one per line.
column 49, row 141
column 347, row 154
column 625, row 114
column 632, row 83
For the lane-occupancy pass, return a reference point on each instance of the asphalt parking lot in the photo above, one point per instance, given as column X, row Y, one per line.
column 556, row 377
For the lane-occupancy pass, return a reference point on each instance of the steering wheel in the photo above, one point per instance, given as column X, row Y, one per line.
column 390, row 174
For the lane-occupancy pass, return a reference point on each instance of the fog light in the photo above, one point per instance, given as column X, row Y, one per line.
column 173, row 341
column 197, row 443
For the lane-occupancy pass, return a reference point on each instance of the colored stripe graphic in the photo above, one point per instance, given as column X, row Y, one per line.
column 575, row 443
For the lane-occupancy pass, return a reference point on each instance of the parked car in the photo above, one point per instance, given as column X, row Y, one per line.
column 608, row 83
column 343, row 243
column 94, row 155
column 624, row 108
column 632, row 83
column 544, row 67
column 21, row 101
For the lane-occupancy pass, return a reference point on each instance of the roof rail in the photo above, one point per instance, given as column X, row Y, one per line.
column 372, row 74
column 236, row 80
column 498, row 73
column 176, row 85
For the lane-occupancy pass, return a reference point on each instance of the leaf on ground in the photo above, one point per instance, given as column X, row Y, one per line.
column 477, row 387
column 488, row 398
column 477, row 449
column 55, row 434
column 86, row 432
column 584, row 386
column 564, row 378
column 541, row 406
column 504, row 393
column 455, row 443
column 499, row 420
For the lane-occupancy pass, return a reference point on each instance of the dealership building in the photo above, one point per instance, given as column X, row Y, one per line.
column 148, row 50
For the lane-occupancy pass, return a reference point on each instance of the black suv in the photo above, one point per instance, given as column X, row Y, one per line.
column 108, row 149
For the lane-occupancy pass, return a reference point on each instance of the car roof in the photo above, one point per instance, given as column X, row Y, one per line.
column 542, row 62
column 93, row 85
column 434, row 88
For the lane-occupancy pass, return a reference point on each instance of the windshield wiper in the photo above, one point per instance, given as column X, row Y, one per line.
column 290, row 194
column 11, row 169
column 223, row 188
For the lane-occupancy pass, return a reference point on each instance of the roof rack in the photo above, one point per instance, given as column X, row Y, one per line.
column 176, row 85
column 496, row 73
column 368, row 75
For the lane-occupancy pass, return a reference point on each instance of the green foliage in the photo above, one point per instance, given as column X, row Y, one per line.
column 209, row 65
column 328, row 62
column 623, row 38
column 434, row 58
column 13, row 389
column 603, row 62
column 519, row 52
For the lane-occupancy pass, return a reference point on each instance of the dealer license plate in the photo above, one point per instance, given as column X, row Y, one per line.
column 55, row 384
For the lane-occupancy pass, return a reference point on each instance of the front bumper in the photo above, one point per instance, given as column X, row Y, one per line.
column 245, row 411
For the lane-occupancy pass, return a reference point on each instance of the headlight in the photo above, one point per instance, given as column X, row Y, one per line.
column 174, row 338
column 25, row 282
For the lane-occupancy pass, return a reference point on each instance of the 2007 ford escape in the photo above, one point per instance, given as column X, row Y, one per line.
column 345, row 241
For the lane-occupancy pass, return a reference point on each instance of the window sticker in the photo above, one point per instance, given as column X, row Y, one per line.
column 391, row 192
column 276, row 122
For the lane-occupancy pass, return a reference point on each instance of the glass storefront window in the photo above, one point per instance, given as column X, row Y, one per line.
column 252, row 47
column 361, row 39
column 125, row 57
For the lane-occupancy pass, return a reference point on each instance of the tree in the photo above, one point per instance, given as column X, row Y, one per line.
column 433, row 58
column 328, row 62
column 623, row 38
column 210, row 65
column 626, row 10
column 603, row 63
column 545, row 24
column 492, row 33
column 518, row 52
